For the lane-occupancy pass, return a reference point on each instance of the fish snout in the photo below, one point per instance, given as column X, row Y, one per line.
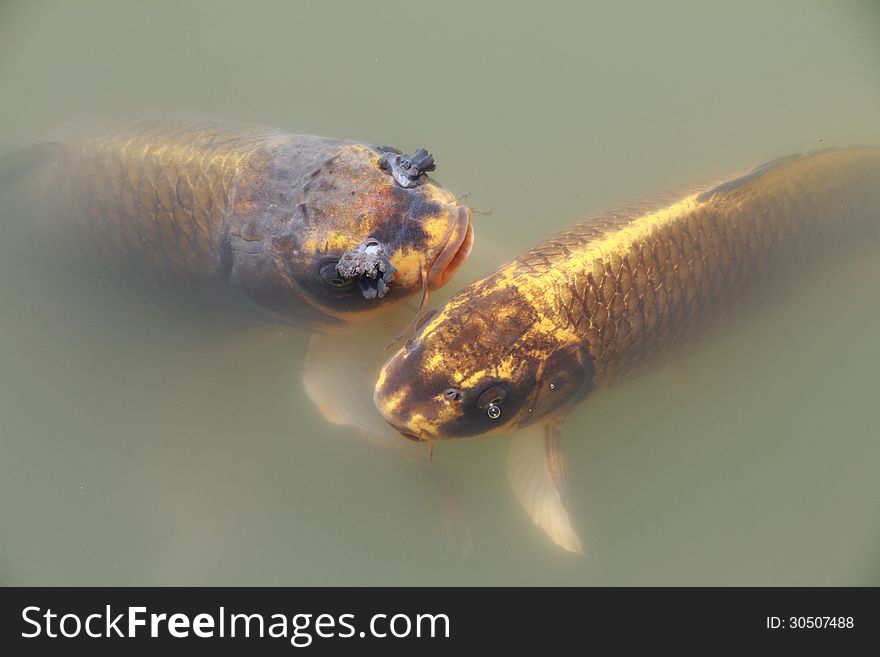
column 392, row 410
column 398, row 405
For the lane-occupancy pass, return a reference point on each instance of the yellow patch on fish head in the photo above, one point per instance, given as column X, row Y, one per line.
column 352, row 204
column 488, row 362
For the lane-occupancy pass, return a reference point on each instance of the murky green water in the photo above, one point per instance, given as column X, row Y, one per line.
column 139, row 449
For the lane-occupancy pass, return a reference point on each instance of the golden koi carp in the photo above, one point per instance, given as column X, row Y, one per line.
column 519, row 348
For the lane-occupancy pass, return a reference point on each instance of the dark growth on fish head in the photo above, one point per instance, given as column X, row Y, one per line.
column 486, row 363
column 346, row 240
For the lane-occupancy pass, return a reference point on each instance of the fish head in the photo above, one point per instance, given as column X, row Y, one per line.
column 488, row 362
column 359, row 236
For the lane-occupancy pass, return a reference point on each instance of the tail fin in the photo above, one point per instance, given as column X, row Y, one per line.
column 17, row 163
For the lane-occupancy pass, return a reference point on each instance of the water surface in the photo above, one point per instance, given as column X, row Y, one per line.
column 142, row 447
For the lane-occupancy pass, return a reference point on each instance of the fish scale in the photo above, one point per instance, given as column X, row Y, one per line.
column 632, row 286
column 100, row 202
column 158, row 191
column 611, row 294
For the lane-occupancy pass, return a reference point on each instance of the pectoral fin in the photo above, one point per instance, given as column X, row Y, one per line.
column 339, row 375
column 536, row 470
column 340, row 372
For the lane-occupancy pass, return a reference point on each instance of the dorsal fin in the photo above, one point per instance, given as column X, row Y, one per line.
column 746, row 178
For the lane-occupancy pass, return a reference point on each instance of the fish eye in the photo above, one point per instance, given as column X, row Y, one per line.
column 330, row 276
column 452, row 394
column 492, row 396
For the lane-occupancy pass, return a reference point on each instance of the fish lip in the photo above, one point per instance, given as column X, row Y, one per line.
column 454, row 252
column 411, row 433
column 404, row 431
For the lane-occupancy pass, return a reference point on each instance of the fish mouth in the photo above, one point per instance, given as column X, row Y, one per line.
column 411, row 433
column 454, row 252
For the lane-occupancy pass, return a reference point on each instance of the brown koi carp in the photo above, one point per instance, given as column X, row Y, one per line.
column 315, row 231
column 516, row 350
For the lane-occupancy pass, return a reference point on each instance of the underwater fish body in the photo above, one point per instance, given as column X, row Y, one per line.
column 255, row 214
column 516, row 350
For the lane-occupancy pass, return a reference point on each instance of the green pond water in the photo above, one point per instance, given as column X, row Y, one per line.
column 137, row 448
